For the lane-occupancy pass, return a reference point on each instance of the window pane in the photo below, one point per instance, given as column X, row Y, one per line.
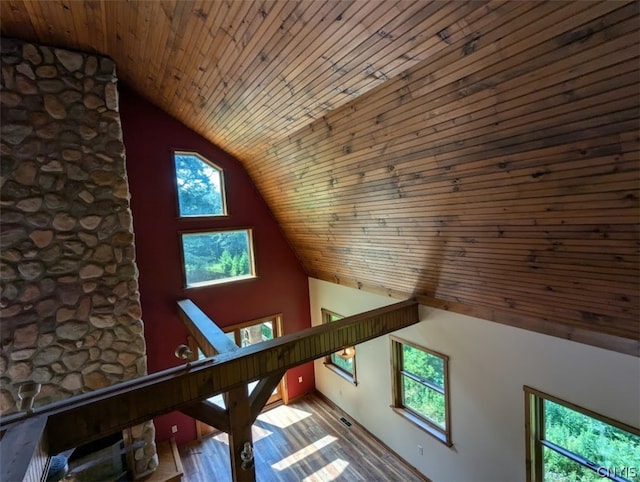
column 210, row 257
column 256, row 333
column 267, row 330
column 199, row 187
column 424, row 400
column 589, row 438
column 334, row 361
column 424, row 365
column 558, row 468
column 346, row 365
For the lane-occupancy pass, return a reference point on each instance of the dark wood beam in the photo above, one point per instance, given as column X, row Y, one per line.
column 209, row 337
column 262, row 392
column 209, row 413
column 97, row 414
column 237, row 417
column 211, row 340
column 240, row 433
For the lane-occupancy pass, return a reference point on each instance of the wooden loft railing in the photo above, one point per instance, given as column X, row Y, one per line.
column 91, row 416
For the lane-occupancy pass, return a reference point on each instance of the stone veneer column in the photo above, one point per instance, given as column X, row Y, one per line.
column 69, row 305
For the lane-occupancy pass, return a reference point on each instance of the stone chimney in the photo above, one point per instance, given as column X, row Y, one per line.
column 69, row 306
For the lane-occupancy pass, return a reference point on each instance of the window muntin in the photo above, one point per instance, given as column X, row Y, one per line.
column 200, row 186
column 420, row 387
column 567, row 442
column 345, row 367
column 217, row 256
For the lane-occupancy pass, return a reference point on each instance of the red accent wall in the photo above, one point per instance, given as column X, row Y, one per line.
column 150, row 135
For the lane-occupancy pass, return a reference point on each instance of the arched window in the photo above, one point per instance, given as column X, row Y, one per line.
column 200, row 186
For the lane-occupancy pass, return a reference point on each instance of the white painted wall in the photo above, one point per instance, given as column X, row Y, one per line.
column 489, row 364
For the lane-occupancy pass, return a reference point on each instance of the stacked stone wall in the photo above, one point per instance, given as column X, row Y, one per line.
column 69, row 306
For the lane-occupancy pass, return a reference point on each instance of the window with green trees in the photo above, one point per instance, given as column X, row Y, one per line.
column 421, row 387
column 200, row 186
column 211, row 256
column 566, row 443
column 217, row 256
column 344, row 361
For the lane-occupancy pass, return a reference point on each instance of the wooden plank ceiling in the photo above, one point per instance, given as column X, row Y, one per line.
column 480, row 155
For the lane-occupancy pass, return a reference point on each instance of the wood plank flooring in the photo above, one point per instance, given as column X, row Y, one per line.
column 303, row 441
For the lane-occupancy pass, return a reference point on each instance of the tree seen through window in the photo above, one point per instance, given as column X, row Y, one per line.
column 567, row 443
column 210, row 257
column 421, row 387
column 200, row 188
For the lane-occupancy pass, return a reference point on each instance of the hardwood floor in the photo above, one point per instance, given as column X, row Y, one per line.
column 303, row 441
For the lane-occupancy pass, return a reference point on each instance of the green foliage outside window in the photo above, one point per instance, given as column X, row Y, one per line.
column 423, row 384
column 199, row 186
column 216, row 256
column 424, row 365
column 424, row 400
column 267, row 330
column 603, row 444
column 346, row 365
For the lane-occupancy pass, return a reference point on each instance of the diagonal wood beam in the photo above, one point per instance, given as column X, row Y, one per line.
column 209, row 413
column 209, row 337
column 262, row 392
column 211, row 340
column 97, row 414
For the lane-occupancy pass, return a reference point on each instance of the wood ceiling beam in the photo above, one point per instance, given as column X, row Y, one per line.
column 209, row 337
column 94, row 415
column 262, row 392
column 236, row 419
column 209, row 413
column 212, row 340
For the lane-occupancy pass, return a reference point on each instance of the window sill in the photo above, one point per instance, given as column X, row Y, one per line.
column 204, row 284
column 202, row 217
column 348, row 377
column 421, row 424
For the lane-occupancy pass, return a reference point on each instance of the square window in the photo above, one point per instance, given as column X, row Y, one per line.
column 420, row 388
column 217, row 257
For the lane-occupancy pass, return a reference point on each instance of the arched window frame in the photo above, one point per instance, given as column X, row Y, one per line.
column 213, row 165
